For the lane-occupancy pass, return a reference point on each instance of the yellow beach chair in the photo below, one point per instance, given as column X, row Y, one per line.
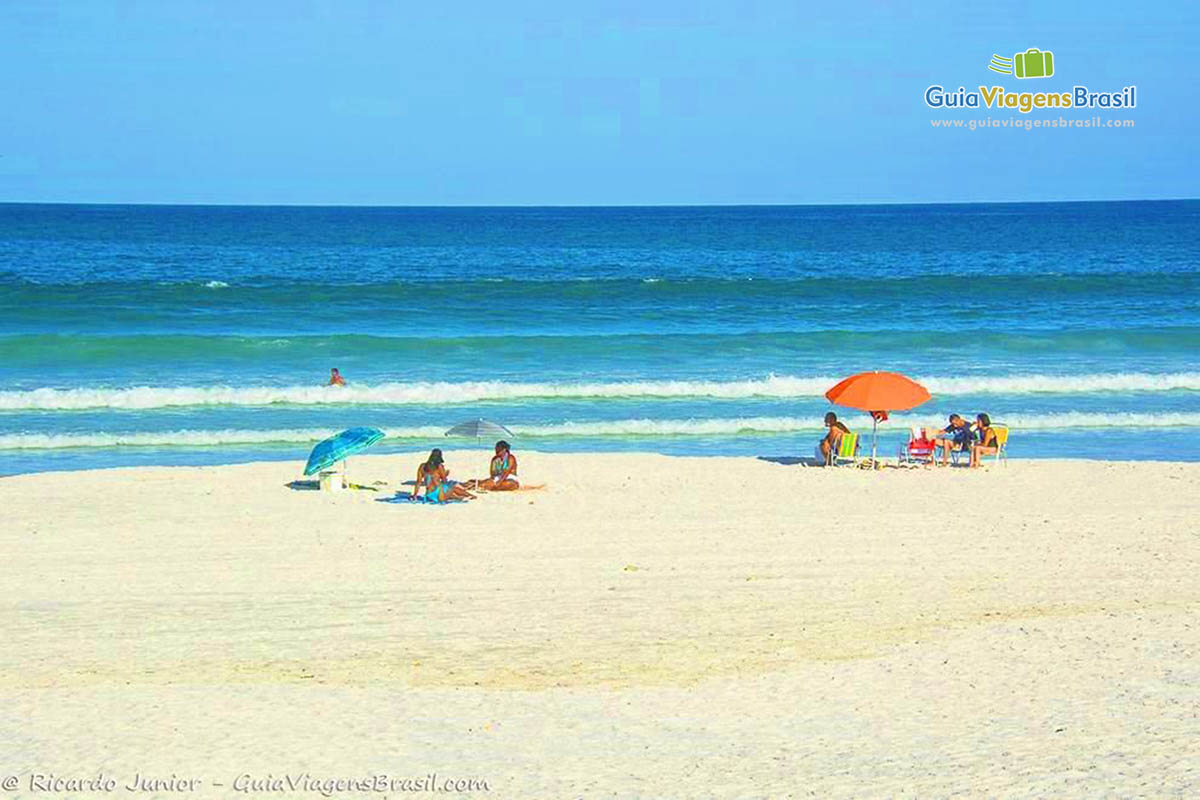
column 1001, row 446
column 1001, row 443
column 847, row 451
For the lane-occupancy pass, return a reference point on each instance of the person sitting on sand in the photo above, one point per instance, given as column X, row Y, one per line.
column 987, row 444
column 955, row 436
column 335, row 378
column 435, row 479
column 829, row 445
column 502, row 471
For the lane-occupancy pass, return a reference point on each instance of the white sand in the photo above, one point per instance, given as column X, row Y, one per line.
column 646, row 626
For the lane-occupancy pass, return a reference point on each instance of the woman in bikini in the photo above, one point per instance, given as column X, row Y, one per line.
column 987, row 443
column 435, row 478
column 502, row 471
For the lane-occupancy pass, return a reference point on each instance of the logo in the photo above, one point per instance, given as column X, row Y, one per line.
column 1033, row 63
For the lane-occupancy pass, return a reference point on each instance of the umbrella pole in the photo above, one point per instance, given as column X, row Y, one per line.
column 874, row 430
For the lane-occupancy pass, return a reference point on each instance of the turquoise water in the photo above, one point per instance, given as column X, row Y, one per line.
column 190, row 335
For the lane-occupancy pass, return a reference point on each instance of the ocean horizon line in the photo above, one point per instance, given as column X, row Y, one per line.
column 599, row 206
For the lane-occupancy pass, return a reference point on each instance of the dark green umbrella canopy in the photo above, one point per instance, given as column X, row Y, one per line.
column 335, row 448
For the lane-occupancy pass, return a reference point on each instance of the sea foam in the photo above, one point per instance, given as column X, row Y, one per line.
column 443, row 393
column 716, row 427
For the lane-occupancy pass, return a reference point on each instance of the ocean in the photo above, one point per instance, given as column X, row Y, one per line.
column 133, row 335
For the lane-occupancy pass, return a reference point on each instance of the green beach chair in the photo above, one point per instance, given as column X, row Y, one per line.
column 847, row 452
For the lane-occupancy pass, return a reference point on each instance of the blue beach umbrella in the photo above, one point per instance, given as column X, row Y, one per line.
column 336, row 448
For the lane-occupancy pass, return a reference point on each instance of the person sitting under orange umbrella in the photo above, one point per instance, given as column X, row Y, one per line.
column 829, row 445
column 878, row 393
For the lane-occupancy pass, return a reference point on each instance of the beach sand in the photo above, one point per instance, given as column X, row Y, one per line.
column 646, row 626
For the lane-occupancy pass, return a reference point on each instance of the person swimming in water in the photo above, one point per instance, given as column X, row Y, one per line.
column 434, row 478
column 335, row 378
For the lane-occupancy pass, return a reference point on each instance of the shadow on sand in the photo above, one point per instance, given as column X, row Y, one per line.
column 315, row 486
column 791, row 461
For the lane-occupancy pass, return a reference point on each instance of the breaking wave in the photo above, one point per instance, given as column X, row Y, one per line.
column 443, row 393
column 741, row 426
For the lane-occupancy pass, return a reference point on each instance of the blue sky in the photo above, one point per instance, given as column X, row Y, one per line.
column 598, row 103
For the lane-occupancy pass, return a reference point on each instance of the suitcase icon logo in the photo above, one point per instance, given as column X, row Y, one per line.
column 1033, row 63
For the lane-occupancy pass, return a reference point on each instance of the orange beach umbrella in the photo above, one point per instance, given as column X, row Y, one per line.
column 876, row 392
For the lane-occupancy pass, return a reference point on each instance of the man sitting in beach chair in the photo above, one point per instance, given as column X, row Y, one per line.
column 828, row 448
column 954, row 438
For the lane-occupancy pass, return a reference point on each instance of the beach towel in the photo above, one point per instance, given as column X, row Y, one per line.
column 406, row 499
